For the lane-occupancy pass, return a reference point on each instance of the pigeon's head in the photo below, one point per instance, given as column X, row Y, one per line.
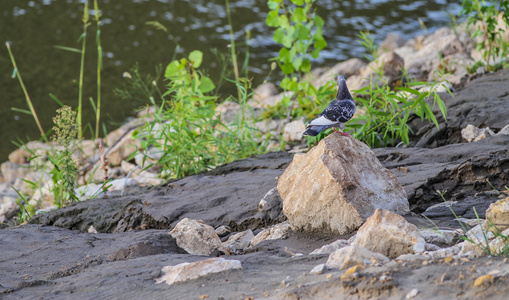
column 343, row 93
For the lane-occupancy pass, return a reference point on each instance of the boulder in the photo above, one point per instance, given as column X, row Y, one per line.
column 293, row 131
column 354, row 255
column 188, row 271
column 30, row 150
column 269, row 101
column 336, row 186
column 264, row 91
column 196, row 237
column 392, row 41
column 12, row 171
column 389, row 234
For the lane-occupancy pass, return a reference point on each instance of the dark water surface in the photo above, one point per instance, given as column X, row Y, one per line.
column 35, row 27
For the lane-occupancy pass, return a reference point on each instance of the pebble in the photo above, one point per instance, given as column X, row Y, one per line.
column 484, row 280
column 412, row 294
column 317, row 270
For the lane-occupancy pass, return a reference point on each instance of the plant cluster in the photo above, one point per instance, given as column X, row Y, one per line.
column 299, row 31
column 186, row 127
column 485, row 18
column 64, row 173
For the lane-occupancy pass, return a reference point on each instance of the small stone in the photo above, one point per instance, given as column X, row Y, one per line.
column 278, row 231
column 92, row 229
column 354, row 269
column 222, row 230
column 293, row 131
column 353, row 255
column 472, row 133
column 317, row 270
column 448, row 259
column 196, row 237
column 328, row 249
column 238, row 241
column 485, row 280
column 286, row 281
column 389, row 234
column 412, row 294
column 504, row 131
column 188, row 271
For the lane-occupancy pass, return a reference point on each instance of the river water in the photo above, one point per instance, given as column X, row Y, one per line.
column 34, row 28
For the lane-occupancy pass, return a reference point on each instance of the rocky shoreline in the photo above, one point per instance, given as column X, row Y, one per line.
column 149, row 242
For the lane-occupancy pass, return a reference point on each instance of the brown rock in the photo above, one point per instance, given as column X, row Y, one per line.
column 196, row 237
column 336, row 186
column 389, row 234
column 498, row 215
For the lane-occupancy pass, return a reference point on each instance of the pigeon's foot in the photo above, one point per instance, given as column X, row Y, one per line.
column 340, row 132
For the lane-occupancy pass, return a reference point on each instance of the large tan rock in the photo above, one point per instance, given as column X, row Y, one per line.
column 196, row 237
column 189, row 271
column 336, row 186
column 498, row 215
column 389, row 234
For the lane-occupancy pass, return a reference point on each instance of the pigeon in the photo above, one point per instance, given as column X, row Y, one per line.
column 339, row 111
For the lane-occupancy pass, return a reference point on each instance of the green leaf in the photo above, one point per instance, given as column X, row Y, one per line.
column 196, row 57
column 319, row 22
column 320, row 44
column 273, row 19
column 297, row 63
column 302, row 32
column 306, row 66
column 409, row 90
column 172, row 69
column 279, row 36
column 441, row 105
column 284, row 55
column 273, row 4
column 287, row 68
column 298, row 2
column 299, row 15
column 206, row 85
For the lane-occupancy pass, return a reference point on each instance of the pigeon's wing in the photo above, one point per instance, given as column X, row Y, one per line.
column 339, row 111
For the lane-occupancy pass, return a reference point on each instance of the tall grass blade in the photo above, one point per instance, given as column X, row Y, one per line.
column 99, row 67
column 83, row 38
column 27, row 97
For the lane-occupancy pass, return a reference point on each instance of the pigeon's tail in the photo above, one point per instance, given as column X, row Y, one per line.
column 314, row 130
